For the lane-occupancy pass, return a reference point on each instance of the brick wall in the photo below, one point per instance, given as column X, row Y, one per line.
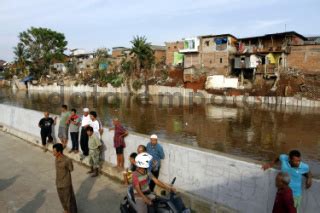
column 192, row 59
column 159, row 55
column 305, row 58
column 172, row 47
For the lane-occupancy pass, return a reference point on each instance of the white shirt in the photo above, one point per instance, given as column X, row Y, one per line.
column 85, row 120
column 96, row 126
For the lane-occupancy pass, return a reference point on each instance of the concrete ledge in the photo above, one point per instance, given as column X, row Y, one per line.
column 192, row 201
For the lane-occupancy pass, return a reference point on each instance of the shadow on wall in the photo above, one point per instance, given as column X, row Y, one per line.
column 34, row 204
column 5, row 183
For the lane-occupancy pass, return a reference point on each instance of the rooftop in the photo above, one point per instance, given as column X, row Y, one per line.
column 275, row 34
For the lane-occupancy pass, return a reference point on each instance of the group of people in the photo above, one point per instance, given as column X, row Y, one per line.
column 289, row 182
column 145, row 164
column 87, row 129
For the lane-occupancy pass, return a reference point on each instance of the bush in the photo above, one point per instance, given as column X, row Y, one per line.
column 114, row 79
column 136, row 85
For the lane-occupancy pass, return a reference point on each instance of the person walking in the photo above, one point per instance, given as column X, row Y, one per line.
column 75, row 122
column 45, row 125
column 64, row 167
column 94, row 152
column 283, row 202
column 85, row 122
column 63, row 132
column 157, row 153
column 119, row 133
column 296, row 169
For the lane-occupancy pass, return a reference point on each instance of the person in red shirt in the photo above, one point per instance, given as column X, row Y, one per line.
column 119, row 134
column 284, row 199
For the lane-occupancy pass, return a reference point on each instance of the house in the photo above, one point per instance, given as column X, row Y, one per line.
column 84, row 60
column 209, row 54
column 173, row 57
column 265, row 54
column 217, row 52
column 120, row 52
column 159, row 53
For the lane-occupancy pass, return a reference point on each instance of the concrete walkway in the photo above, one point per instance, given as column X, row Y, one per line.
column 27, row 182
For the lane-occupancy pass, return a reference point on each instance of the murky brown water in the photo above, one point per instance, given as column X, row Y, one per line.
column 256, row 132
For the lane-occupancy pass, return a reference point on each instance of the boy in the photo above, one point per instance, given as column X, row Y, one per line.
column 94, row 152
column 63, row 132
column 74, row 121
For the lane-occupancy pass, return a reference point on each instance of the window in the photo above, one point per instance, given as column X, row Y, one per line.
column 175, row 47
column 207, row 43
column 220, row 60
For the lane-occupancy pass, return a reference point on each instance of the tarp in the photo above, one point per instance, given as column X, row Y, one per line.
column 177, row 58
column 220, row 41
column 103, row 66
column 273, row 58
column 26, row 79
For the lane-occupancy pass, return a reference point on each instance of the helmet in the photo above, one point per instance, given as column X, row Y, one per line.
column 143, row 160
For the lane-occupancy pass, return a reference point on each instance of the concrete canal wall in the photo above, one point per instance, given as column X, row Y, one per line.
column 234, row 182
column 188, row 96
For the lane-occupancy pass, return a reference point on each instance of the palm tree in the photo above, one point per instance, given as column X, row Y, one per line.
column 127, row 70
column 141, row 50
column 20, row 57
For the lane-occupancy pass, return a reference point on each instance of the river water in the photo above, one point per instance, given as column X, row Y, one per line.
column 255, row 132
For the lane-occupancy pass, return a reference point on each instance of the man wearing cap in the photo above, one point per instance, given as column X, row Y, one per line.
column 85, row 122
column 156, row 151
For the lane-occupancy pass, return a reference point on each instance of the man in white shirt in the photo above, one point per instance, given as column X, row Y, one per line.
column 95, row 124
column 85, row 122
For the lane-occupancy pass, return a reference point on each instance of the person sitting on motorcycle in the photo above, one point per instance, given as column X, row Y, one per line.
column 127, row 174
column 140, row 182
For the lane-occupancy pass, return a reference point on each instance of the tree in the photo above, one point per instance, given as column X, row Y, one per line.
column 144, row 55
column 43, row 46
column 21, row 59
column 126, row 67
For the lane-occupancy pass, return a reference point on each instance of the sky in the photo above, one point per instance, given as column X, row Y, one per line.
column 92, row 24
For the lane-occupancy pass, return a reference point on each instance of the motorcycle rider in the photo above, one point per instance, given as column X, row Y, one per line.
column 140, row 182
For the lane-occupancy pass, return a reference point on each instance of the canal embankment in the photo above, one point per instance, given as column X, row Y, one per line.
column 181, row 95
column 209, row 179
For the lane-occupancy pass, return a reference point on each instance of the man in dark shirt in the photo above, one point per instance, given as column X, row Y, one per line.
column 284, row 199
column 46, row 129
column 64, row 167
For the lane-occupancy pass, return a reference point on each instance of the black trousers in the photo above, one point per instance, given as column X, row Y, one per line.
column 75, row 140
column 156, row 175
column 44, row 136
column 84, row 142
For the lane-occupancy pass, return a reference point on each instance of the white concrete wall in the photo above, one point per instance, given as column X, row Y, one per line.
column 234, row 182
column 186, row 93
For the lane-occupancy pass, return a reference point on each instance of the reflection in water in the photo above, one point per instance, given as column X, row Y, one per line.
column 257, row 132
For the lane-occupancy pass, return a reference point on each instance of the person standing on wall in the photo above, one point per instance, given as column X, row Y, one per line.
column 64, row 167
column 296, row 169
column 74, row 121
column 85, row 122
column 284, row 198
column 45, row 125
column 63, row 132
column 119, row 133
column 157, row 153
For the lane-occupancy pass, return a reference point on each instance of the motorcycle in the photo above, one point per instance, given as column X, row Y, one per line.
column 161, row 204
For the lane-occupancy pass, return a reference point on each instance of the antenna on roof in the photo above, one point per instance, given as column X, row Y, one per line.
column 285, row 27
